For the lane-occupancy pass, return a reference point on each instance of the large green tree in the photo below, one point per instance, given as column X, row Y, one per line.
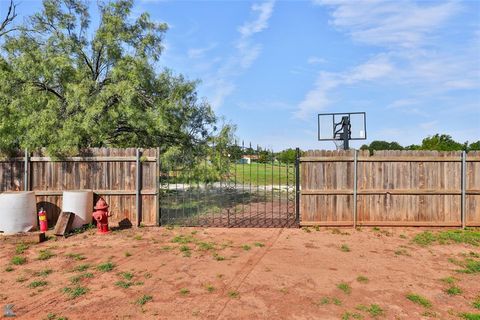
column 67, row 85
column 442, row 142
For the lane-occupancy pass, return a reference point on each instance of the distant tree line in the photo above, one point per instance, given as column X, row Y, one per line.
column 437, row 142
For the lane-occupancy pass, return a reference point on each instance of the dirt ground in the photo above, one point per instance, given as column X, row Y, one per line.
column 216, row 273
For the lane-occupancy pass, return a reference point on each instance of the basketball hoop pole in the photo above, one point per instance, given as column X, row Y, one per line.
column 346, row 132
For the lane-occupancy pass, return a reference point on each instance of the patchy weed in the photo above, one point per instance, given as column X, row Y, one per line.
column 345, row 248
column 374, row 309
column 43, row 273
column 210, row 288
column 218, row 257
column 476, row 303
column 362, row 279
column 18, row 260
column 184, row 291
column 470, row 316
column 453, row 291
column 418, row 299
column 36, row 284
column 345, row 287
column 127, row 254
column 246, row 247
column 45, row 254
column 106, row 267
column 127, row 275
column 143, row 300
column 259, row 244
column 76, row 256
column 233, row 294
column 123, row 284
column 80, row 277
column 75, row 292
column 351, row 315
column 81, row 268
column 21, row 247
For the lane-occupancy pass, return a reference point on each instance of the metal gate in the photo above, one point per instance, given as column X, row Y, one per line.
column 230, row 186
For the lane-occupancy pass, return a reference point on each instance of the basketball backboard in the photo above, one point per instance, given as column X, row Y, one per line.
column 331, row 126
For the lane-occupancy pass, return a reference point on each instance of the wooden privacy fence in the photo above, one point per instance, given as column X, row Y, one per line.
column 126, row 178
column 390, row 188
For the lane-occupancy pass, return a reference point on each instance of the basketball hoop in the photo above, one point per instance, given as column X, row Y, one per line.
column 341, row 128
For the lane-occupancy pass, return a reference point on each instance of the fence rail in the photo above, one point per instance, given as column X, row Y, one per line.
column 125, row 178
column 394, row 188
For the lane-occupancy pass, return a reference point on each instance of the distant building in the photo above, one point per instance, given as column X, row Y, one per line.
column 248, row 158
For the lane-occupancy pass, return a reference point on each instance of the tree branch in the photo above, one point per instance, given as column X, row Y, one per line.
column 11, row 15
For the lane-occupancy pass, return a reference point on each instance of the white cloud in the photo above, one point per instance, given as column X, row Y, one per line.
column 416, row 57
column 260, row 23
column 317, row 98
column 222, row 82
column 196, row 53
column 389, row 23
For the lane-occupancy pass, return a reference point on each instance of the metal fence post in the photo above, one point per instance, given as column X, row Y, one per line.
column 158, row 186
column 138, row 188
column 464, row 186
column 26, row 182
column 297, row 184
column 355, row 188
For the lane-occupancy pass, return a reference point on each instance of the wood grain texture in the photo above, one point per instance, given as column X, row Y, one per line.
column 108, row 171
column 405, row 188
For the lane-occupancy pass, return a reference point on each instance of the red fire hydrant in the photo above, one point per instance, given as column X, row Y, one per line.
column 42, row 218
column 101, row 216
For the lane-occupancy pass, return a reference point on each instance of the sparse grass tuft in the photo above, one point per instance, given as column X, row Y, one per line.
column 246, row 247
column 362, row 279
column 328, row 300
column 80, row 277
column 75, row 292
column 106, row 267
column 233, row 294
column 184, row 291
column 210, row 288
column 306, row 229
column 137, row 237
column 76, row 256
column 21, row 247
column 123, row 284
column 128, row 254
column 9, row 269
column 184, row 239
column 81, row 268
column 218, row 257
column 36, row 284
column 45, row 254
column 429, row 314
column 143, row 299
column 127, row 275
column 43, row 273
column 476, row 303
column 18, row 260
column 449, row 280
column 345, row 248
column 402, row 252
column 345, row 287
column 259, row 244
column 338, row 231
column 205, row 246
column 402, row 236
column 420, row 300
column 351, row 315
column 471, row 266
column 374, row 309
column 186, row 250
column 453, row 291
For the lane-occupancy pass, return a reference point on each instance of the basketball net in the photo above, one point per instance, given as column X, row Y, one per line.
column 338, row 142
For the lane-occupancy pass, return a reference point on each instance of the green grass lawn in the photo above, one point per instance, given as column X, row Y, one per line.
column 262, row 174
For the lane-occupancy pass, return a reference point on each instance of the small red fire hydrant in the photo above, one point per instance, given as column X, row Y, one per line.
column 42, row 218
column 101, row 216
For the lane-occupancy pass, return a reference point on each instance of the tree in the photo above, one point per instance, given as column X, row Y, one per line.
column 287, row 156
column 65, row 86
column 8, row 19
column 381, row 145
column 474, row 146
column 442, row 142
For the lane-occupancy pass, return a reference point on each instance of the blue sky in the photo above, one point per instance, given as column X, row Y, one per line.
column 270, row 67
